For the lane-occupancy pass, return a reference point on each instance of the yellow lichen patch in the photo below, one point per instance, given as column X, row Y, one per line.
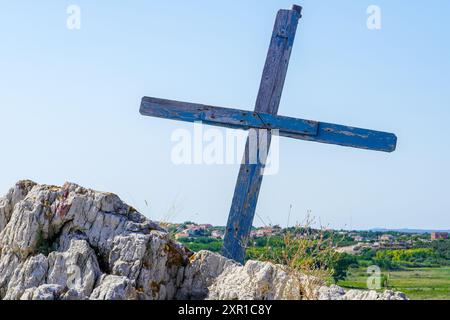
column 174, row 257
column 110, row 194
column 155, row 287
column 82, row 191
column 131, row 209
column 146, row 264
column 193, row 258
column 140, row 290
column 26, row 184
column 46, row 203
column 48, row 214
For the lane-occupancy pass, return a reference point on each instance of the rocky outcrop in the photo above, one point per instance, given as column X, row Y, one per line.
column 217, row 278
column 114, row 288
column 337, row 293
column 72, row 243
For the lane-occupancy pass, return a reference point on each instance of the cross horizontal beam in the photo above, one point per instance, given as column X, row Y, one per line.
column 288, row 127
column 225, row 117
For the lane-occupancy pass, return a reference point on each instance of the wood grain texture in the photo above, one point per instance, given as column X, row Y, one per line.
column 225, row 117
column 249, row 181
column 287, row 126
column 350, row 137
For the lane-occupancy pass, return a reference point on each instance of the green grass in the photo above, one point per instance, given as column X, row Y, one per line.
column 417, row 284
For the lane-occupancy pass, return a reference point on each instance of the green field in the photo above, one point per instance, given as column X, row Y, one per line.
column 417, row 284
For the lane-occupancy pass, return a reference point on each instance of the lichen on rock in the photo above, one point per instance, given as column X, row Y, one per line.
column 72, row 243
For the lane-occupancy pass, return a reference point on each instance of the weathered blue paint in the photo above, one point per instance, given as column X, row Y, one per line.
column 225, row 117
column 248, row 185
column 249, row 181
column 288, row 127
column 350, row 137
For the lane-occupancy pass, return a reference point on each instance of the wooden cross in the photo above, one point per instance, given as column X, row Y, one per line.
column 265, row 117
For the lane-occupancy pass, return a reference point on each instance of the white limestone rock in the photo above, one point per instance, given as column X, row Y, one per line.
column 9, row 262
column 7, row 203
column 43, row 292
column 258, row 281
column 67, row 237
column 330, row 293
column 267, row 281
column 114, row 288
column 373, row 295
column 201, row 273
column 76, row 268
column 71, row 243
column 29, row 274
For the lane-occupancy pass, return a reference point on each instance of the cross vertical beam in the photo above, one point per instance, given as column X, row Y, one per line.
column 249, row 181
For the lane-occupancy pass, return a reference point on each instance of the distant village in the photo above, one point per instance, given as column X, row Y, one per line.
column 353, row 241
column 391, row 240
column 192, row 230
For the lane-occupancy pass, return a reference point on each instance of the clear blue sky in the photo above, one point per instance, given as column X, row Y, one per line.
column 69, row 104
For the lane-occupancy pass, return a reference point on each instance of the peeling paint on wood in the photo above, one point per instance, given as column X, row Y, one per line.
column 249, row 181
column 287, row 126
column 225, row 117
